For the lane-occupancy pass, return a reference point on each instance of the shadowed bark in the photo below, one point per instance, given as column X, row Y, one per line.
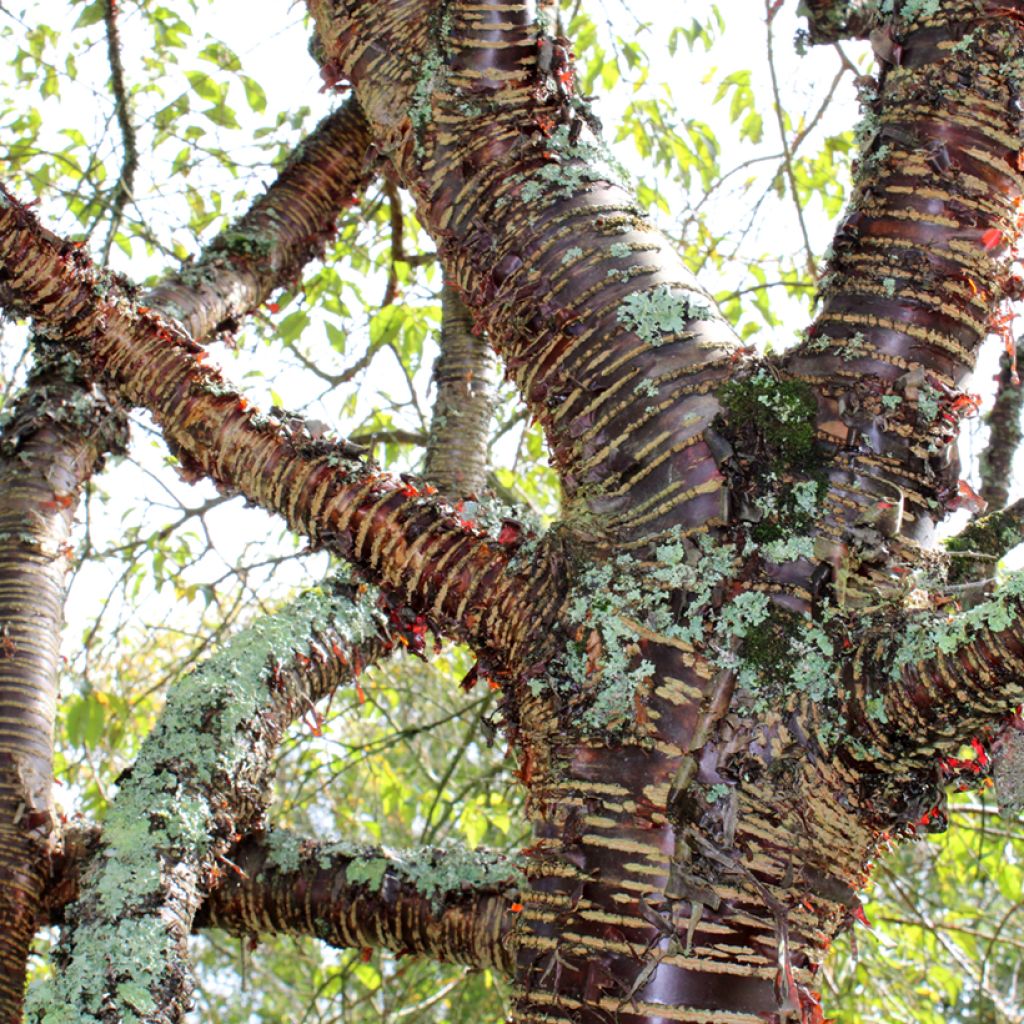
column 463, row 375
column 1005, row 433
column 454, row 906
column 53, row 440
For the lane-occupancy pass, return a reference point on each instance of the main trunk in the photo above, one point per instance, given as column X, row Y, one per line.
column 682, row 879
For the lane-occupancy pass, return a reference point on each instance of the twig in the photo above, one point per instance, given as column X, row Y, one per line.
column 124, row 188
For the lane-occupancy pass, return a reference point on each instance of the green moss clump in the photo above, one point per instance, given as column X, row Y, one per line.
column 782, row 412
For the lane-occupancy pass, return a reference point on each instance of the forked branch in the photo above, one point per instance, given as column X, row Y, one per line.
column 445, row 569
column 612, row 343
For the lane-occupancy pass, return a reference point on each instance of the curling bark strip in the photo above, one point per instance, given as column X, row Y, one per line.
column 58, row 434
column 444, row 569
column 922, row 260
column 587, row 305
column 54, row 439
column 313, row 894
column 460, row 909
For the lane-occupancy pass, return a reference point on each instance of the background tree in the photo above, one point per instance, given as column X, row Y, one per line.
column 732, row 674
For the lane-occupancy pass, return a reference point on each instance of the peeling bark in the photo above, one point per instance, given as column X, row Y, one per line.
column 468, row 924
column 55, row 438
column 302, row 887
column 414, row 546
column 463, row 375
column 283, row 230
column 586, row 303
column 58, row 435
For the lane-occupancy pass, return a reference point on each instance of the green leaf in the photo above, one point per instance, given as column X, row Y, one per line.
column 254, row 94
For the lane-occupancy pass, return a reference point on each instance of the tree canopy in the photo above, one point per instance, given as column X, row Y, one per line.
column 208, row 193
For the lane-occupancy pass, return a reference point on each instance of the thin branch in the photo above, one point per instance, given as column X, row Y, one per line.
column 124, row 190
column 787, row 162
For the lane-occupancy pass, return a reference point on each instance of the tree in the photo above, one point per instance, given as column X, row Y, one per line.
column 732, row 673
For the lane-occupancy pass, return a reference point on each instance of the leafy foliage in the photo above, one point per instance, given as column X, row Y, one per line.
column 163, row 577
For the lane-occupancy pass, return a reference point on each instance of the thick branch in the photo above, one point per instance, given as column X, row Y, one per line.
column 980, row 545
column 922, row 259
column 199, row 780
column 445, row 904
column 284, row 229
column 443, row 568
column 463, row 375
column 58, row 433
column 441, row 903
column 609, row 338
column 922, row 688
column 53, row 441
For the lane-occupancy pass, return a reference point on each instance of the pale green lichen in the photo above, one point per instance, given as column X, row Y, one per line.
column 436, row 872
column 929, row 635
column 571, row 167
column 160, row 826
column 571, row 255
column 659, row 315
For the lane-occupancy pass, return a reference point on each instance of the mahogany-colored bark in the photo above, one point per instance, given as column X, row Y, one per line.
column 256, row 897
column 707, row 852
column 456, row 461
column 57, row 435
column 285, row 228
column 434, row 562
column 54, row 439
column 477, row 111
column 472, row 927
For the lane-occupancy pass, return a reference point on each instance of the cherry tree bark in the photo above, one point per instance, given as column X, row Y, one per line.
column 728, row 679
column 55, row 438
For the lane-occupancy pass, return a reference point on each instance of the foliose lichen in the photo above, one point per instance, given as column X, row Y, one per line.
column 165, row 817
column 659, row 315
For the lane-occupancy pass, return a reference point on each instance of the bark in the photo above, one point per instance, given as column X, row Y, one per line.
column 54, row 439
column 1004, row 432
column 466, row 917
column 977, row 548
column 829, row 21
column 170, row 873
column 464, row 406
column 284, row 229
column 200, row 779
column 57, row 436
column 920, row 264
column 581, row 297
column 700, row 754
column 442, row 567
column 716, row 731
column 460, row 908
